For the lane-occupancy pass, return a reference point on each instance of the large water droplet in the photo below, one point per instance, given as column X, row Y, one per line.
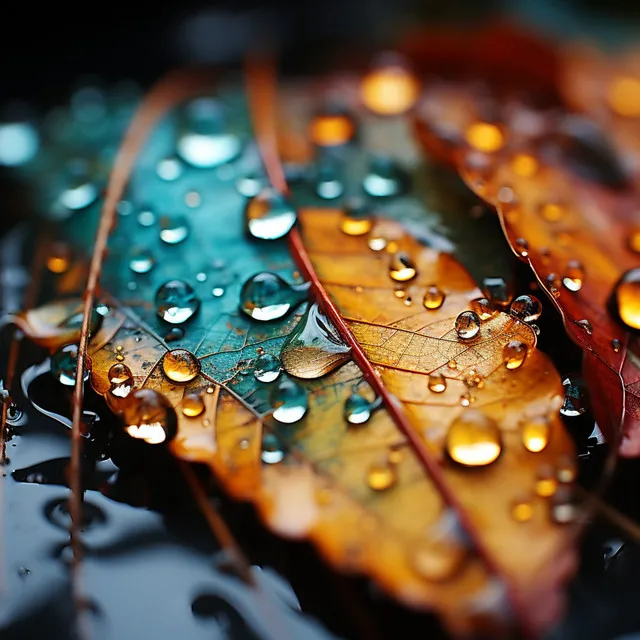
column 64, row 365
column 535, row 434
column 482, row 307
column 514, row 354
column 119, row 373
column 149, row 416
column 266, row 368
column 176, row 302
column 627, row 298
column 433, row 297
column 437, row 383
column 192, row 405
column 473, row 439
column 203, row 143
column 266, row 296
column 269, row 215
column 314, row 348
column 401, row 267
column 573, row 277
column 467, row 325
column 385, row 178
column 141, row 261
column 180, row 365
column 358, row 410
column 527, row 308
column 289, row 401
column 174, row 229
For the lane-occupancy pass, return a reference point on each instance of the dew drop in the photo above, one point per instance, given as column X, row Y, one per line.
column 627, row 298
column 289, row 401
column 546, row 483
column 585, row 325
column 141, row 261
column 203, row 143
column 385, row 178
column 328, row 184
column 535, row 434
column 80, row 190
column 377, row 243
column 314, row 348
column 332, row 127
column 358, row 410
column 390, row 88
column 146, row 218
column 514, row 354
column 272, row 449
column 554, row 282
column 527, row 308
column 149, row 416
column 64, row 364
column 175, row 333
column 473, row 439
column 266, row 296
column 356, row 220
column 192, row 405
column 250, row 185
column 564, row 506
column 169, row 169
column 217, row 292
column 522, row 509
column 268, row 215
column 482, row 307
column 433, row 297
column 522, row 247
column 173, row 229
column 616, row 345
column 437, row 383
column 401, row 267
column 497, row 291
column 573, row 278
column 267, row 368
column 176, row 302
column 180, row 365
column 467, row 325
column 382, row 475
column 119, row 373
column 484, row 136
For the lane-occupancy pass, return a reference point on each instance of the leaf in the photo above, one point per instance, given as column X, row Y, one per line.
column 380, row 498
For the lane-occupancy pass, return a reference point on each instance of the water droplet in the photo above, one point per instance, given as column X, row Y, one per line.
column 522, row 247
column 356, row 220
column 497, row 291
column 554, row 283
column 141, row 261
column 80, row 190
column 149, row 416
column 522, row 509
column 616, row 345
column 64, row 365
column 272, row 449
column 527, row 308
column 169, row 169
column 382, row 475
column 314, row 348
column 180, row 365
column 585, row 325
column 535, row 434
column 574, row 398
column 573, row 278
column 268, row 215
column 377, row 243
column 250, row 185
column 546, row 483
column 566, row 470
column 19, row 143
column 175, row 333
column 484, row 136
column 59, row 259
column 119, row 373
column 401, row 267
column 176, row 302
column 146, row 218
column 564, row 506
column 433, row 297
column 623, row 96
column 57, row 512
column 217, row 292
column 332, row 127
column 328, row 184
column 524, row 165
column 627, row 298
column 192, row 405
column 452, row 364
column 203, row 143
column 173, row 229
column 633, row 241
column 267, row 368
column 467, row 325
column 473, row 439
column 385, row 178
column 390, row 88
column 266, row 296
column 514, row 354
column 289, row 401
column 437, row 383
column 482, row 307
column 358, row 410
column 552, row 211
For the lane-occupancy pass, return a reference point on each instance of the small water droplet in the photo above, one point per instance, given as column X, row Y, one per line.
column 437, row 383
column 482, row 307
column 59, row 258
column 552, row 212
column 546, row 483
column 141, row 261
column 217, row 292
column 524, row 165
column 356, row 220
column 175, row 333
column 149, row 416
column 566, row 470
column 401, row 267
column 332, row 127
column 585, row 325
column 484, row 136
column 522, row 247
column 616, row 345
column 382, row 475
column 358, row 410
column 467, row 325
column 146, row 218
column 627, row 298
column 535, row 434
column 169, row 169
column 554, row 282
column 377, row 243
column 466, row 399
column 180, row 365
column 269, row 215
column 289, row 401
column 272, row 449
column 64, row 365
column 385, row 178
column 564, row 506
column 266, row 296
column 514, row 354
column 452, row 364
column 176, row 302
column 203, row 142
column 119, row 373
column 328, row 184
column 390, row 87
column 573, row 278
column 173, row 229
column 497, row 291
column 574, row 398
column 192, row 404
column 80, row 190
column 19, row 142
column 192, row 199
column 522, row 509
column 527, row 308
column 473, row 439
column 314, row 348
column 433, row 297
column 267, row 368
